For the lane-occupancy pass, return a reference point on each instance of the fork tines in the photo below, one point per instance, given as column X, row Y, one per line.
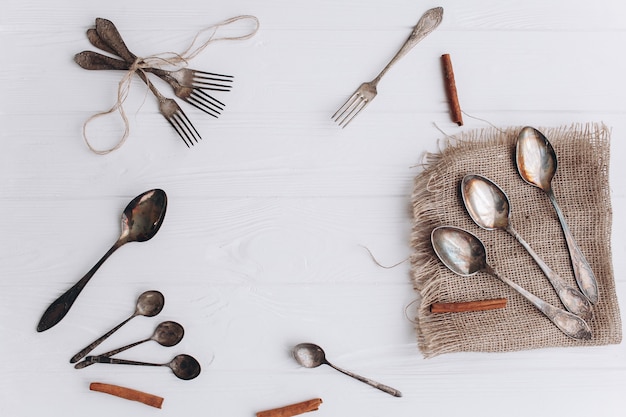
column 212, row 81
column 205, row 102
column 350, row 109
column 184, row 127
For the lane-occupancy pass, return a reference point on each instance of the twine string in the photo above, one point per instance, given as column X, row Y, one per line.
column 171, row 61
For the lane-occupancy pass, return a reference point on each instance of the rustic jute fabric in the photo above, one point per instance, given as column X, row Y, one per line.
column 581, row 185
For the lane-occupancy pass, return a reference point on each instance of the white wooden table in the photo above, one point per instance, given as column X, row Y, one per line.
column 262, row 246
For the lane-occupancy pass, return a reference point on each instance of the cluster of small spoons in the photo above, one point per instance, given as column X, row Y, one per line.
column 167, row 333
column 489, row 207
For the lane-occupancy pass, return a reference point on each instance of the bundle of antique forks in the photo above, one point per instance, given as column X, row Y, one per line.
column 189, row 85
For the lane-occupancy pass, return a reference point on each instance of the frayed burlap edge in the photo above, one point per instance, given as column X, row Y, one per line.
column 438, row 333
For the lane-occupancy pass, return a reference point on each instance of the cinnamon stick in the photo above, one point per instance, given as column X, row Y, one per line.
column 127, row 393
column 468, row 306
column 292, row 409
column 450, row 85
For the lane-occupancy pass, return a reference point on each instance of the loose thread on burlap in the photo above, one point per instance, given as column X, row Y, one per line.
column 166, row 60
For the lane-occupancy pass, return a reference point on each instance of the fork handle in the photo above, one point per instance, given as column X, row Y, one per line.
column 427, row 23
column 111, row 36
column 94, row 61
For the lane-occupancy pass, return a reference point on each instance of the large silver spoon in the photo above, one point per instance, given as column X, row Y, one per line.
column 167, row 333
column 310, row 355
column 464, row 254
column 537, row 163
column 489, row 207
column 184, row 366
column 141, row 220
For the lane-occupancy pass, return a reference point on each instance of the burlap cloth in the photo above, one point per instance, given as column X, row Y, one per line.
column 582, row 189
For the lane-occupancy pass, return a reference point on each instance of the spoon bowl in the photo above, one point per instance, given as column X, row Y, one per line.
column 149, row 304
column 310, row 355
column 464, row 254
column 537, row 163
column 141, row 220
column 490, row 209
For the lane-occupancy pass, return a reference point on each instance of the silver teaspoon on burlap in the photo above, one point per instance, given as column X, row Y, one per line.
column 489, row 207
column 465, row 255
column 537, row 163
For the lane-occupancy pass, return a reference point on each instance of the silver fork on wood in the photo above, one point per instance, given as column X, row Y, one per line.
column 367, row 91
column 186, row 77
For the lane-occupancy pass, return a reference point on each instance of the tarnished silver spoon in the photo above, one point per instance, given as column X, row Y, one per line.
column 167, row 333
column 310, row 355
column 149, row 304
column 141, row 220
column 489, row 207
column 537, row 163
column 184, row 366
column 464, row 254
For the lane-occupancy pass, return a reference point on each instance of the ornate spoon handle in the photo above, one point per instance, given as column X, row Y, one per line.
column 572, row 299
column 583, row 273
column 570, row 324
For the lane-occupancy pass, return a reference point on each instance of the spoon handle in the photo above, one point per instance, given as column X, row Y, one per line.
column 382, row 387
column 573, row 300
column 99, row 340
column 570, row 324
column 59, row 307
column 583, row 273
column 86, row 363
column 106, row 359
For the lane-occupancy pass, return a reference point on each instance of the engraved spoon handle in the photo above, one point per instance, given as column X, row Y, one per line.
column 583, row 273
column 570, row 324
column 571, row 297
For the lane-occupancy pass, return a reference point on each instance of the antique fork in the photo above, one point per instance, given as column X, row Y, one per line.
column 196, row 97
column 186, row 77
column 168, row 107
column 367, row 91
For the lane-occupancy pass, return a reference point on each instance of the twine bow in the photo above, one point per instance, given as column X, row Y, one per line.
column 166, row 60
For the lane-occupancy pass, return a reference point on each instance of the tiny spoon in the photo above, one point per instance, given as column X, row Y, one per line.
column 537, row 163
column 184, row 366
column 149, row 304
column 141, row 220
column 312, row 356
column 167, row 333
column 464, row 254
column 489, row 207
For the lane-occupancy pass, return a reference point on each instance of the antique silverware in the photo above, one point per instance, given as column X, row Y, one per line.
column 312, row 356
column 367, row 91
column 196, row 97
column 149, row 304
column 186, row 77
column 489, row 207
column 167, row 333
column 141, row 220
column 465, row 255
column 168, row 107
column 537, row 163
column 184, row 366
